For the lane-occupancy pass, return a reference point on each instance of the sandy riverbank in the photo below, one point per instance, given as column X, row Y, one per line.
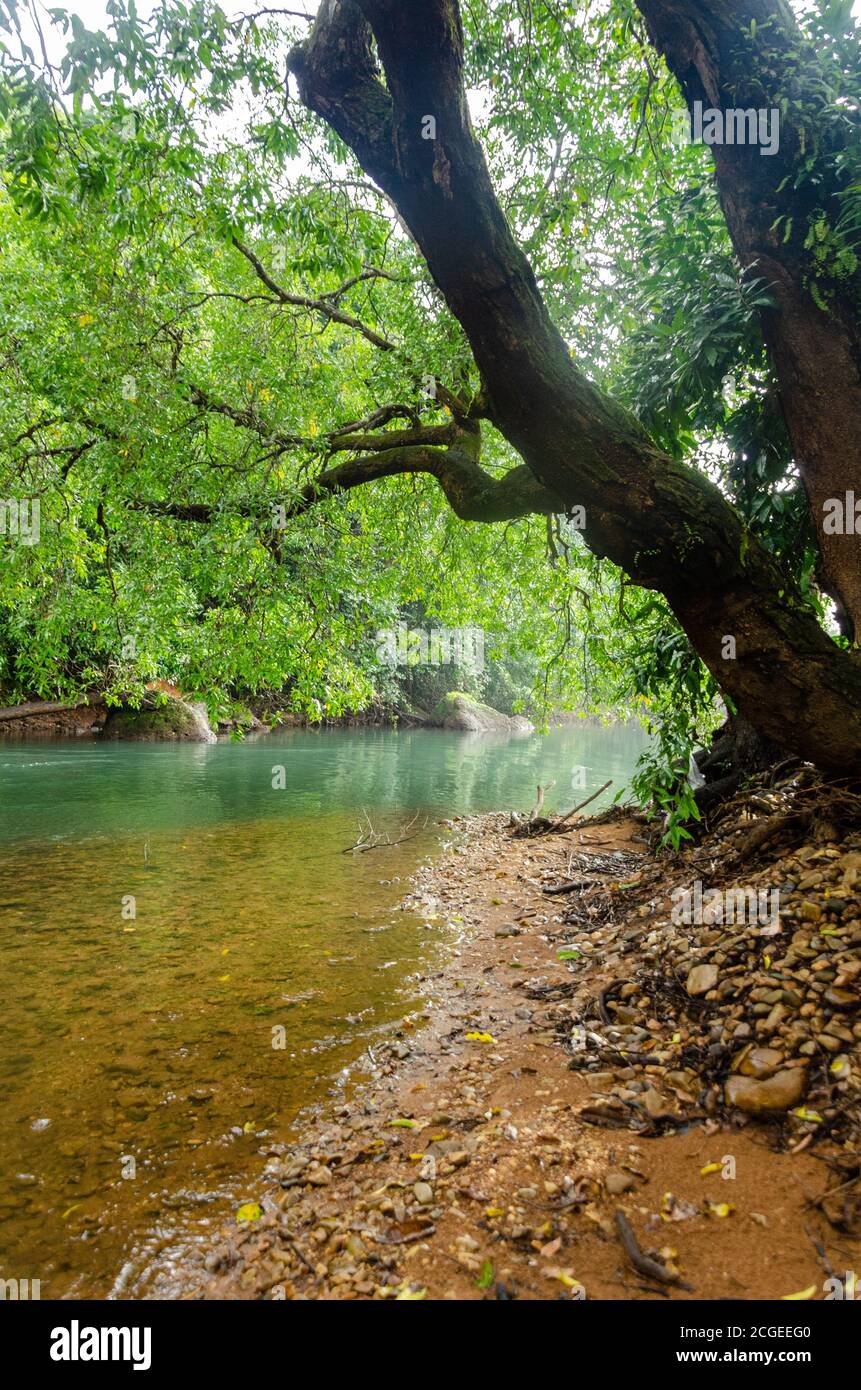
column 572, row 1068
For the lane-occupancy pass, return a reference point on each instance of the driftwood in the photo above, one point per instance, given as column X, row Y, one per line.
column 588, row 881
column 644, row 1264
column 542, row 792
column 32, row 707
column 583, row 804
column 541, row 825
column 369, row 838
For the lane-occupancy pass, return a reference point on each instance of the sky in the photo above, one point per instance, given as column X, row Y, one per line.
column 94, row 15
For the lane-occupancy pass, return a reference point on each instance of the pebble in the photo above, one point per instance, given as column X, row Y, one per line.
column 617, row 1182
column 701, row 979
column 761, row 1097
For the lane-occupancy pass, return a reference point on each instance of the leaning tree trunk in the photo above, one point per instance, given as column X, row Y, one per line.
column 661, row 521
column 750, row 54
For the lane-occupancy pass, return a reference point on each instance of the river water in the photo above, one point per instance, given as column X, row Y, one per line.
column 188, row 958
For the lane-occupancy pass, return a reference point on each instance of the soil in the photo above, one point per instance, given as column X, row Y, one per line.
column 485, row 1156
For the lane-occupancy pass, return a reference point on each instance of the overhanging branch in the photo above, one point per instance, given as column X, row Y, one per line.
column 472, row 494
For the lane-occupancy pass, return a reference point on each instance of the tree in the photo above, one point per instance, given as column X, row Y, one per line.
column 655, row 518
column 389, row 79
column 780, row 209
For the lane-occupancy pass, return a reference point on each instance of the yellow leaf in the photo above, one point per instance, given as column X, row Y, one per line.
column 495, row 1211
column 804, row 1114
column 801, row 1297
column 85, row 319
column 481, row 1037
column 249, row 1211
column 710, row 1168
column 410, row 1295
column 721, row 1208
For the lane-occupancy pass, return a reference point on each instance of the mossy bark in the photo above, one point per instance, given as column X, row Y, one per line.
column 662, row 522
column 750, row 54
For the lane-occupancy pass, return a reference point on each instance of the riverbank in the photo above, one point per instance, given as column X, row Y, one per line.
column 86, row 718
column 574, row 1114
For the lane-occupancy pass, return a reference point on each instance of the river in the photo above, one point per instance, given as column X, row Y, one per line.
column 189, row 959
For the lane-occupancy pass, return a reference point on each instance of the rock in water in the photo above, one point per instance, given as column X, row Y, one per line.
column 459, row 711
column 175, row 721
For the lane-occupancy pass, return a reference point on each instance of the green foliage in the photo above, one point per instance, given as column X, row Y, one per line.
column 159, row 399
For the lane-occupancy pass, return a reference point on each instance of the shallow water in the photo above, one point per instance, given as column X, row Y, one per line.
column 163, row 909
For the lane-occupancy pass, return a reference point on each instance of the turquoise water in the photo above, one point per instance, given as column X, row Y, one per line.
column 163, row 909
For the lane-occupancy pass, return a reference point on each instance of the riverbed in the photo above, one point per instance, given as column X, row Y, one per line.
column 193, row 955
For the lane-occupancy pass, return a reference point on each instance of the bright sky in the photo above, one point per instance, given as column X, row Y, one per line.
column 95, row 16
column 93, row 13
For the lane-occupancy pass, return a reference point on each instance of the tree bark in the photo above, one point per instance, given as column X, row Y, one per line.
column 770, row 209
column 665, row 524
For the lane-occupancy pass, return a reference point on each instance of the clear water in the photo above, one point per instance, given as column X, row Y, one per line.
column 163, row 908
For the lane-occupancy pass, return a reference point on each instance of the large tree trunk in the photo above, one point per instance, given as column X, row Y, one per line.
column 661, row 521
column 816, row 352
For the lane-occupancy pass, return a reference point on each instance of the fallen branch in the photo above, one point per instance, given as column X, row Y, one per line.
column 583, row 804
column 50, row 706
column 536, row 825
column 542, row 791
column 569, row 886
column 644, row 1264
column 407, row 1239
column 370, row 839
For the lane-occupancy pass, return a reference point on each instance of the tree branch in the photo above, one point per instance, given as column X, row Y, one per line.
column 324, row 305
column 661, row 521
column 473, row 494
